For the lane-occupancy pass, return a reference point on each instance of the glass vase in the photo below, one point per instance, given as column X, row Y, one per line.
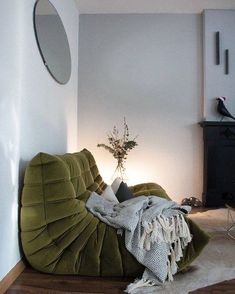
column 120, row 172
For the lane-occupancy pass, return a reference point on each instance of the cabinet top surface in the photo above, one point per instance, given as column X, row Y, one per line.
column 206, row 123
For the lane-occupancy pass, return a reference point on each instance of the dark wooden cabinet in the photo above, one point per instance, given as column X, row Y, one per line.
column 219, row 163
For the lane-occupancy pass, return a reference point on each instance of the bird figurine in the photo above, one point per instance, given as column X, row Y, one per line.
column 221, row 108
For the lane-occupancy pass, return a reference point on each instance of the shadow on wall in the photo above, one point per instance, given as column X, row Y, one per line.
column 8, row 207
column 41, row 135
column 22, row 167
column 9, row 158
column 38, row 131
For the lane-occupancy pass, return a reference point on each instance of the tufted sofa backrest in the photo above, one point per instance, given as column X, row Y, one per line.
column 54, row 184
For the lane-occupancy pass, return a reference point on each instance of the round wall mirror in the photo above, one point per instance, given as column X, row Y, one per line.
column 52, row 41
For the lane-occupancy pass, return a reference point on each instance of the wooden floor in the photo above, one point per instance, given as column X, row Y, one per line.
column 31, row 281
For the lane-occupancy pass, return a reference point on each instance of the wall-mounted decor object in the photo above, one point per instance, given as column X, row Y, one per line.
column 217, row 48
column 218, row 80
column 52, row 41
column 226, row 61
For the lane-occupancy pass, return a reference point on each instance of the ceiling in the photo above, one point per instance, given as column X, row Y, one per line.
column 151, row 6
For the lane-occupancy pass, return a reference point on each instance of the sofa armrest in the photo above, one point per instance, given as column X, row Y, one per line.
column 148, row 189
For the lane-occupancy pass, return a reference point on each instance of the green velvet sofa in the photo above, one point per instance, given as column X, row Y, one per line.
column 60, row 236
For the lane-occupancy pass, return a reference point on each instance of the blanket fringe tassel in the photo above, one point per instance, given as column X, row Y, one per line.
column 172, row 230
column 139, row 283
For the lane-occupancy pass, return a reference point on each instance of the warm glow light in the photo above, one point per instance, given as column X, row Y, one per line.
column 135, row 173
column 107, row 174
column 136, row 176
column 163, row 167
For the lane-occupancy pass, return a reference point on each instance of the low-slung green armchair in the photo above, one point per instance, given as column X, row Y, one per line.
column 60, row 236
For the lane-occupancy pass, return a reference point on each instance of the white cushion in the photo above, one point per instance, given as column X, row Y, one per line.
column 115, row 185
column 109, row 195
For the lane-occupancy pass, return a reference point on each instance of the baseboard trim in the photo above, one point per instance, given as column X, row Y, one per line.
column 13, row 274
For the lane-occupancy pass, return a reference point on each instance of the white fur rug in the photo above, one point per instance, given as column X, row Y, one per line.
column 215, row 264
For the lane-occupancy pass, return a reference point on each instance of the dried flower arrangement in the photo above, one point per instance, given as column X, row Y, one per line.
column 120, row 146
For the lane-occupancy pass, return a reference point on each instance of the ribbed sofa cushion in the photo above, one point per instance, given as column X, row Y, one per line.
column 60, row 236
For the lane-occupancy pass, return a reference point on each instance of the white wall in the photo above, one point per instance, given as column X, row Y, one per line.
column 149, row 69
column 9, row 133
column 216, row 83
column 49, row 110
column 36, row 113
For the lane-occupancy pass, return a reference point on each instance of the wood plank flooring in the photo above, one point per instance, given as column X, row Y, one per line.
column 32, row 282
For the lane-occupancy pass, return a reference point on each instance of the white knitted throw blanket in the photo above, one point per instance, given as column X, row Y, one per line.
column 155, row 233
